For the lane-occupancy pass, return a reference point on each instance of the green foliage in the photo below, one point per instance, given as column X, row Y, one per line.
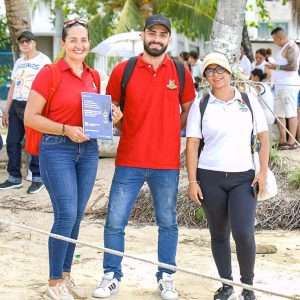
column 4, row 43
column 275, row 159
column 4, row 40
column 193, row 18
column 80, row 9
column 294, row 178
column 130, row 18
column 5, row 73
column 200, row 215
column 99, row 31
column 263, row 12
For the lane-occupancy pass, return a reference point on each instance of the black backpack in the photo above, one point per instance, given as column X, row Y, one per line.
column 129, row 69
column 203, row 105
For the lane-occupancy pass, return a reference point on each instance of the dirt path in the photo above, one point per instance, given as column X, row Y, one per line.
column 24, row 262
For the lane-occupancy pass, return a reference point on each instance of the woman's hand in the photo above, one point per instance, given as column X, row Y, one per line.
column 116, row 114
column 195, row 192
column 75, row 133
column 261, row 179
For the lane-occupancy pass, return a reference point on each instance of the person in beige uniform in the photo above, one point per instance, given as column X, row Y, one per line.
column 286, row 78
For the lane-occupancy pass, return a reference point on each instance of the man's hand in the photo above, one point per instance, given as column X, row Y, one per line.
column 117, row 114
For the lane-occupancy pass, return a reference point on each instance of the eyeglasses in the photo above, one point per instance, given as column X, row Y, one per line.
column 209, row 72
column 72, row 22
column 22, row 42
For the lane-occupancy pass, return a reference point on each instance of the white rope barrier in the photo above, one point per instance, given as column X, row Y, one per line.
column 252, row 84
column 163, row 265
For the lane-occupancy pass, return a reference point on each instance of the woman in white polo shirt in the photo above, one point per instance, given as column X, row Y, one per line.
column 221, row 179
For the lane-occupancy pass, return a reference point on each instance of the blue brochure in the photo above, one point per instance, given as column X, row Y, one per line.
column 96, row 115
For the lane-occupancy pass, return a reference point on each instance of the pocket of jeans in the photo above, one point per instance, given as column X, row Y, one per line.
column 52, row 139
column 94, row 141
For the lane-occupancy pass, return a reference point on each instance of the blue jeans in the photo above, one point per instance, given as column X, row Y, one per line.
column 15, row 136
column 126, row 184
column 68, row 170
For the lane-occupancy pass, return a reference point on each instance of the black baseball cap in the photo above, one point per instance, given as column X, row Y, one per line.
column 28, row 35
column 158, row 20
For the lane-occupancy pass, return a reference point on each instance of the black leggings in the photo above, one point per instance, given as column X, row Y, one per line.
column 230, row 205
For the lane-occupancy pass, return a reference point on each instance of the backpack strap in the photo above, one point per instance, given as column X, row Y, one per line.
column 125, row 78
column 255, row 143
column 202, row 105
column 181, row 75
column 55, row 81
column 96, row 79
column 129, row 69
column 247, row 101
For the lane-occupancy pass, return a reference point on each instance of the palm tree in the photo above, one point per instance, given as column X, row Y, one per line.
column 296, row 11
column 194, row 18
column 18, row 20
column 226, row 35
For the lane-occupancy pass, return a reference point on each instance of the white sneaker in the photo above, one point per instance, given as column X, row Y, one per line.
column 108, row 286
column 166, row 287
column 75, row 291
column 59, row 292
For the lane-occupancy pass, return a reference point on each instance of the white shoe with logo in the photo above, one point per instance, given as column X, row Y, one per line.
column 107, row 287
column 166, row 287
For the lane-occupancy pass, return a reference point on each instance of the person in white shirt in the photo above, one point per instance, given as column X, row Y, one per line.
column 24, row 72
column 266, row 98
column 270, row 59
column 245, row 63
column 195, row 63
column 223, row 177
column 260, row 62
column 286, row 79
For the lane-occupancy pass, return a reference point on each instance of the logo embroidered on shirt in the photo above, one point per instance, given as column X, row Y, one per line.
column 242, row 105
column 172, row 85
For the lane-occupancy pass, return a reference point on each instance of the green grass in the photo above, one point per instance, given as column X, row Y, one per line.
column 200, row 215
column 294, row 178
column 3, row 131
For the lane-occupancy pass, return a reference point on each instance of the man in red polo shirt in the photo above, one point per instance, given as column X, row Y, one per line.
column 149, row 151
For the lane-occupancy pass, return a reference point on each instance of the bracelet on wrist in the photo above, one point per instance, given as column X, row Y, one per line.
column 194, row 181
column 63, row 130
column 277, row 67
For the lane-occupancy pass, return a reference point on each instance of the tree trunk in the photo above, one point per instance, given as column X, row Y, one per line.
column 226, row 35
column 58, row 25
column 18, row 20
column 247, row 44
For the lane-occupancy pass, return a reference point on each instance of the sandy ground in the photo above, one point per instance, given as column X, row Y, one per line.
column 24, row 261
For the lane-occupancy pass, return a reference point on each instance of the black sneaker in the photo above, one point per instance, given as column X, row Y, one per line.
column 35, row 187
column 226, row 292
column 7, row 185
column 247, row 295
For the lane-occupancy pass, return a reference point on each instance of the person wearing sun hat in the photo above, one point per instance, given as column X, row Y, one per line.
column 221, row 178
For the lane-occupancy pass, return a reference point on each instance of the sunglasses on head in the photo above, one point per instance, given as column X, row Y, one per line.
column 209, row 72
column 72, row 22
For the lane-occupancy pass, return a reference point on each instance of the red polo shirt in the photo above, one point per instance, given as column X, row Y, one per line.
column 66, row 104
column 150, row 135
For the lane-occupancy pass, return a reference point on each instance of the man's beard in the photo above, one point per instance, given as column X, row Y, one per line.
column 155, row 52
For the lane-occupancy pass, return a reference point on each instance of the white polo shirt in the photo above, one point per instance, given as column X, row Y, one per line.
column 226, row 129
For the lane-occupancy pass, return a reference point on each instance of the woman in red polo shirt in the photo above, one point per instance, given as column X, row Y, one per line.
column 68, row 158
